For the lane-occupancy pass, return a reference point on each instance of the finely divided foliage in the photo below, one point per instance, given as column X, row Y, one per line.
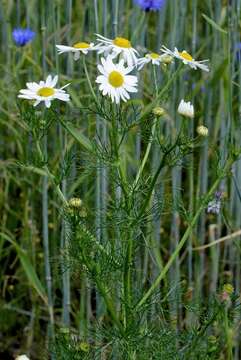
column 120, row 188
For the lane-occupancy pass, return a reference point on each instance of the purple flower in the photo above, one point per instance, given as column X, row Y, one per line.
column 214, row 206
column 22, row 36
column 238, row 51
column 150, row 4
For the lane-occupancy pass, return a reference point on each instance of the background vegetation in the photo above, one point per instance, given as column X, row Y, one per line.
column 51, row 302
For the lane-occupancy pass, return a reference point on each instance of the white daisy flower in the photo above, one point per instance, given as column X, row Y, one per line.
column 114, row 80
column 154, row 58
column 118, row 46
column 76, row 49
column 186, row 58
column 44, row 91
column 186, row 109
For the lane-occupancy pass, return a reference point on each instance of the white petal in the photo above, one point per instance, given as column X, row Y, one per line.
column 25, row 97
column 33, row 86
column 54, row 81
column 63, row 97
column 63, row 49
column 47, row 103
column 48, row 81
column 76, row 55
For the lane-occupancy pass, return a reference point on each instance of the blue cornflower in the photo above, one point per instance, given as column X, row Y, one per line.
column 150, row 4
column 22, row 36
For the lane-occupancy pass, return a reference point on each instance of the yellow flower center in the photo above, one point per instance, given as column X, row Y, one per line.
column 45, row 91
column 186, row 56
column 154, row 55
column 122, row 42
column 116, row 79
column 81, row 45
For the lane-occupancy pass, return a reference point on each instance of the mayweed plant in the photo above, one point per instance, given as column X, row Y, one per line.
column 23, row 36
column 108, row 263
column 120, row 245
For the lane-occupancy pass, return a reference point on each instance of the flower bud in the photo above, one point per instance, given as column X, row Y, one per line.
column 186, row 109
column 202, row 130
column 166, row 59
column 158, row 111
column 75, row 203
column 85, row 347
column 228, row 288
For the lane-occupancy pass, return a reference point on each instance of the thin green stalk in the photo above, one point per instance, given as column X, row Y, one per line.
column 154, row 180
column 129, row 251
column 228, row 333
column 138, row 27
column 104, row 291
column 127, row 279
column 50, row 175
column 115, row 5
column 46, row 245
column 143, row 163
column 185, row 237
column 153, row 130
column 45, row 195
column 88, row 80
column 191, row 156
column 66, row 300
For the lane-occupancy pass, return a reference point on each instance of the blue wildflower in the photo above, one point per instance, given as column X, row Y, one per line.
column 238, row 51
column 22, row 36
column 148, row 5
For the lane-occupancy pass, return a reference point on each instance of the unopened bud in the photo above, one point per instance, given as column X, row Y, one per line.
column 166, row 59
column 158, row 111
column 228, row 288
column 85, row 347
column 75, row 203
column 202, row 130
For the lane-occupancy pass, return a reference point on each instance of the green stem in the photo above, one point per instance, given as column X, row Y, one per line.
column 139, row 27
column 154, row 180
column 92, row 267
column 127, row 279
column 143, row 163
column 46, row 246
column 185, row 237
column 228, row 334
column 88, row 80
column 50, row 175
column 115, row 5
column 153, row 129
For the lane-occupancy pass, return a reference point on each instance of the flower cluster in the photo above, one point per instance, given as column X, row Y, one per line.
column 118, row 61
